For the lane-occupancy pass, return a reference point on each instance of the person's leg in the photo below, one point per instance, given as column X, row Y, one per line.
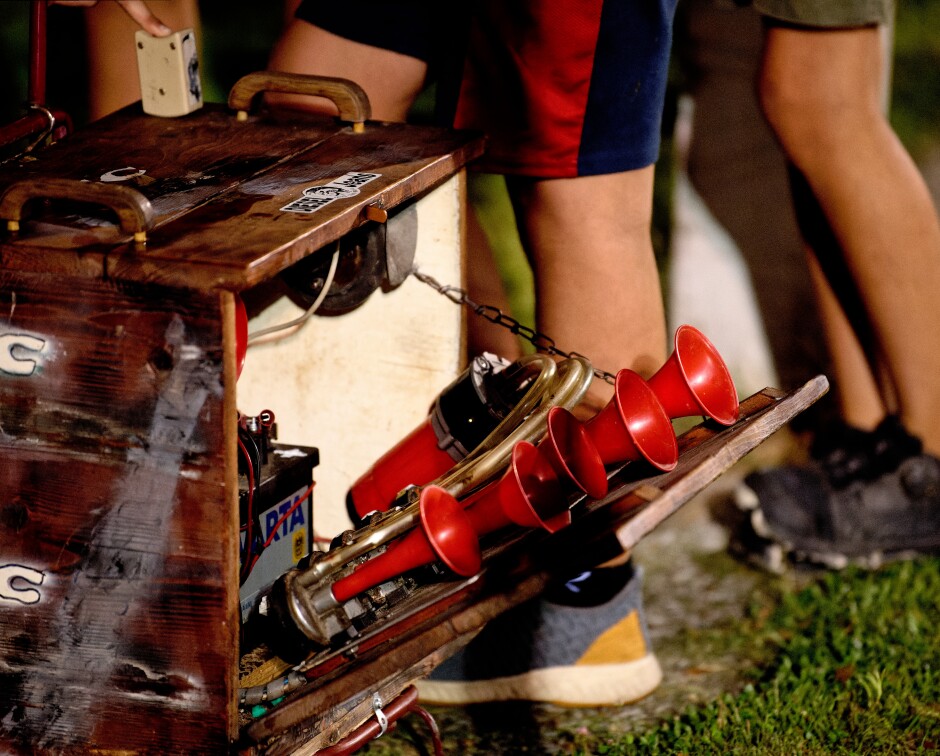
column 860, row 402
column 872, row 195
column 391, row 80
column 485, row 286
column 597, row 285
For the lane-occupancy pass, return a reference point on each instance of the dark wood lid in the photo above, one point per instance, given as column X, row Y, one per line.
column 223, row 192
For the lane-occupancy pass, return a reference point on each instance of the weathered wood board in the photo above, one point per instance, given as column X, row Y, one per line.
column 219, row 189
column 119, row 583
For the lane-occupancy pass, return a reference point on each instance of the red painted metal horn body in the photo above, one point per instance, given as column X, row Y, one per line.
column 528, row 494
column 414, row 460
column 461, row 416
column 634, row 425
column 572, row 453
column 241, row 334
column 695, row 380
column 445, row 535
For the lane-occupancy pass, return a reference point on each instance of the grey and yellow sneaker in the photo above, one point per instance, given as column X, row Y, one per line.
column 574, row 646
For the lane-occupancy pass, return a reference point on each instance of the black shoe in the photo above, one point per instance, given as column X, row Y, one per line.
column 867, row 521
column 847, row 454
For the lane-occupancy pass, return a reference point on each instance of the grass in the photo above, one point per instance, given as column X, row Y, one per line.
column 851, row 666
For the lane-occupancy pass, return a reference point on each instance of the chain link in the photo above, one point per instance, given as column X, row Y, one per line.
column 540, row 341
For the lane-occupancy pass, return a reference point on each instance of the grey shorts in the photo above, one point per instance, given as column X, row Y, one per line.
column 827, row 13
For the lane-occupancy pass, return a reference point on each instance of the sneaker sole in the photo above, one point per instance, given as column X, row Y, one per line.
column 820, row 555
column 571, row 686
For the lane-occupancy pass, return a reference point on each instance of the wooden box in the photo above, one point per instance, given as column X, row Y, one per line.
column 119, row 627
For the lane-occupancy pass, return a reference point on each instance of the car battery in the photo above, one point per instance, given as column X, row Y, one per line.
column 277, row 520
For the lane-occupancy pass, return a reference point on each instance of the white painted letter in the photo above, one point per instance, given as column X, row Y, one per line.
column 19, row 342
column 9, row 592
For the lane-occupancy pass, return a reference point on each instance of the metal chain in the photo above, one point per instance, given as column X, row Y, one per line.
column 540, row 341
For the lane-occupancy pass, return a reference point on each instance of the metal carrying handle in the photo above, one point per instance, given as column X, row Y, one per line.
column 134, row 211
column 350, row 99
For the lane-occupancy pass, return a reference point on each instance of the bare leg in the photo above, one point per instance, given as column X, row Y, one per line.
column 860, row 402
column 597, row 285
column 485, row 286
column 391, row 80
column 872, row 194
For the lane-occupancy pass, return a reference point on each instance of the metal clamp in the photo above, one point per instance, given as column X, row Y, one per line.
column 379, row 714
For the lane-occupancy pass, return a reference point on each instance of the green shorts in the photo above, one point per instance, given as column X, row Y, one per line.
column 827, row 13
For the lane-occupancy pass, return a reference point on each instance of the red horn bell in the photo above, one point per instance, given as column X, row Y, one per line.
column 572, row 453
column 241, row 335
column 529, row 494
column 445, row 535
column 460, row 417
column 634, row 425
column 695, row 380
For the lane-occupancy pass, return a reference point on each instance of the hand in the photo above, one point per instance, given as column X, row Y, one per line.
column 136, row 9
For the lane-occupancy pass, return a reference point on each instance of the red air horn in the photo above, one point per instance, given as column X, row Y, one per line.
column 634, row 425
column 529, row 494
column 445, row 535
column 572, row 452
column 532, row 492
column 241, row 335
column 414, row 460
column 695, row 380
column 462, row 415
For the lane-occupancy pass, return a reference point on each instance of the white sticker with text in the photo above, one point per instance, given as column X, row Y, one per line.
column 316, row 197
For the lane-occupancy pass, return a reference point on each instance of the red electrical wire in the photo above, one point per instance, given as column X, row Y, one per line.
column 250, row 518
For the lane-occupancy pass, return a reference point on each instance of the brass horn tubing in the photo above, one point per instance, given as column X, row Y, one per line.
column 569, row 387
column 398, row 522
column 564, row 384
column 543, row 385
column 395, row 523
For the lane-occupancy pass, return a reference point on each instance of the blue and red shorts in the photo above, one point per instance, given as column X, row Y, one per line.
column 561, row 88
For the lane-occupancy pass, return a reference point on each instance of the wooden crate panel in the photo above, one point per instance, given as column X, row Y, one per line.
column 117, row 544
column 181, row 161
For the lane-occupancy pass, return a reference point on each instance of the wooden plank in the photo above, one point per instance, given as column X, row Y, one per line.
column 245, row 236
column 516, row 571
column 120, row 631
column 181, row 162
column 218, row 189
